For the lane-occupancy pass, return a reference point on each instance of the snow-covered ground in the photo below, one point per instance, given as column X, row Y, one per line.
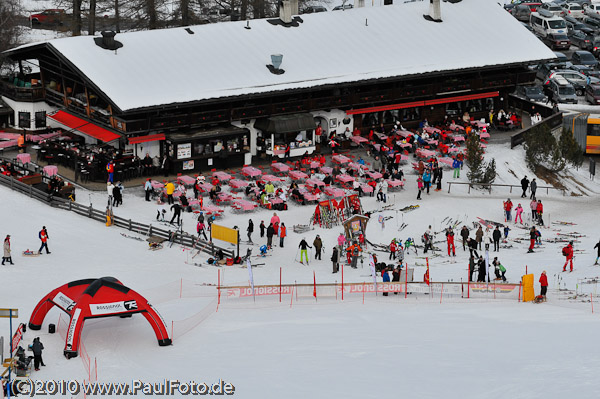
column 417, row 347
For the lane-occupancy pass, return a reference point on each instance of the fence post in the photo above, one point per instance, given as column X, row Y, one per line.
column 90, row 212
column 490, row 189
column 449, row 185
column 30, row 191
column 150, row 230
column 70, row 202
column 129, row 225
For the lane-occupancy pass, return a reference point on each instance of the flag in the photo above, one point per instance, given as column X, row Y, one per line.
column 487, row 264
column 314, row 284
column 426, row 277
column 250, row 275
column 373, row 272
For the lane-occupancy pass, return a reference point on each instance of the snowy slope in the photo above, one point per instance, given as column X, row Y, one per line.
column 460, row 348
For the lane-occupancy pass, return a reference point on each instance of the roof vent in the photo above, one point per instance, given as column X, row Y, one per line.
column 435, row 11
column 188, row 30
column 276, row 60
column 107, row 41
column 285, row 11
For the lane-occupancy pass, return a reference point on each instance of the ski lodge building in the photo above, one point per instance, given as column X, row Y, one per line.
column 216, row 95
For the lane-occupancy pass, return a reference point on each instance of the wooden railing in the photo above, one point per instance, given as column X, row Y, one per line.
column 490, row 185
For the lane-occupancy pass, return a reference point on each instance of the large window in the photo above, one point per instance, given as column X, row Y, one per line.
column 593, row 130
column 40, row 119
column 25, row 120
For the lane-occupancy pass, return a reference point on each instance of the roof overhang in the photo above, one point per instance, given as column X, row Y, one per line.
column 74, row 123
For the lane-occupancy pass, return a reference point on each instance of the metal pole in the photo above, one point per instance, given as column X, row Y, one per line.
column 11, row 354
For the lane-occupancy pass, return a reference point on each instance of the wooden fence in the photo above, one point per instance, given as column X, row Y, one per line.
column 490, row 185
column 177, row 236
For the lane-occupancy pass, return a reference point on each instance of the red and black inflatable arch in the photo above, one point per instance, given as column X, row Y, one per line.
column 92, row 298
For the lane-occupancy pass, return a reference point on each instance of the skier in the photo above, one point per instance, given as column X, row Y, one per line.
column 44, row 238
column 303, row 251
column 540, row 212
column 386, row 278
column 200, row 227
column 37, row 348
column 176, row 209
column 250, row 230
column 543, row 285
column 335, row 259
column 148, row 188
column 464, row 233
column 597, row 256
column 400, row 253
column 473, row 247
column 506, row 230
column 450, row 241
column 282, row 234
column 524, row 185
column 532, row 187
column 262, row 228
column 533, row 207
column 270, row 234
column 568, row 253
column 518, row 213
column 7, row 256
column 170, row 188
column 427, row 240
column 471, row 267
column 532, row 238
column 481, row 265
column 496, row 235
column 318, row 247
column 479, row 237
column 503, row 271
column 355, row 250
column 393, row 249
column 507, row 208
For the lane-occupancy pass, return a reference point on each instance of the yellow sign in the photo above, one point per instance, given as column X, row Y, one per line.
column 224, row 234
column 7, row 313
column 528, row 291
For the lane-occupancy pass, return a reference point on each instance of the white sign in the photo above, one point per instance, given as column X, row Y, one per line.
column 184, row 150
column 63, row 302
column 113, row 307
column 71, row 332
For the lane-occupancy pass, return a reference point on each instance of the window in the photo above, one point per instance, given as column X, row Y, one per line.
column 593, row 130
column 557, row 24
column 40, row 119
column 25, row 120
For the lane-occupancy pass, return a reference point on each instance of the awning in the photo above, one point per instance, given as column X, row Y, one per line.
column 286, row 123
column 219, row 131
column 88, row 128
column 145, row 139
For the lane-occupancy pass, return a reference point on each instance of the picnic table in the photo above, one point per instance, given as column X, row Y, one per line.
column 297, row 175
column 186, row 180
column 422, row 153
column 482, row 145
column 244, row 205
column 24, row 158
column 212, row 210
column 484, row 135
column 458, row 138
column 315, row 164
column 366, row 188
column 374, row 175
column 394, row 183
column 204, row 187
column 381, row 136
column 356, row 166
column 222, row 176
column 359, row 139
column 430, row 129
column 446, row 160
column 454, row 126
column 251, row 171
column 223, row 198
column 156, row 184
column 308, row 196
column 270, row 178
column 344, row 179
column 334, row 192
column 237, row 184
column 340, row 159
column 50, row 170
column 404, row 133
column 454, row 149
column 431, row 142
column 279, row 167
column 479, row 124
column 403, row 145
column 314, row 182
column 326, row 170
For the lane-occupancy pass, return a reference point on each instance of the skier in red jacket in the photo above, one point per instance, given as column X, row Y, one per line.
column 450, row 240
column 543, row 284
column 568, row 253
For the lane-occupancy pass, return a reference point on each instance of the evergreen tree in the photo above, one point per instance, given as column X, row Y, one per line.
column 474, row 159
column 570, row 150
column 541, row 149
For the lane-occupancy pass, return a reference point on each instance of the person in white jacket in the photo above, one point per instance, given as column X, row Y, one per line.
column 384, row 190
column 109, row 190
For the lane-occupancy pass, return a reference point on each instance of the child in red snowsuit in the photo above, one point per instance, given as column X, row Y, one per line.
column 450, row 240
column 568, row 252
column 393, row 249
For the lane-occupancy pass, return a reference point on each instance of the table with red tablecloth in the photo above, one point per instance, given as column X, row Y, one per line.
column 404, row 133
column 297, row 175
column 314, row 182
column 431, row 130
column 186, row 180
column 446, row 160
column 308, row 196
column 358, row 139
column 374, row 175
column 392, row 183
column 334, row 192
column 204, row 187
column 212, row 210
column 270, row 178
column 157, row 185
column 251, row 171
column 244, row 205
column 422, row 153
column 484, row 135
column 237, row 184
column 454, row 149
column 403, row 145
column 339, row 159
column 222, row 176
column 366, row 188
column 279, row 167
column 24, row 158
column 326, row 170
column 50, row 170
column 344, row 179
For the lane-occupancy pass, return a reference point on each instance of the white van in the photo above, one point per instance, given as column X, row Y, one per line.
column 544, row 22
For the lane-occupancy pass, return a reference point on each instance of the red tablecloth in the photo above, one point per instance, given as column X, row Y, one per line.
column 358, row 139
column 251, row 171
column 280, row 167
column 24, row 158
column 237, row 184
column 297, row 175
column 326, row 169
column 374, row 175
column 50, row 170
column 344, row 178
column 340, row 159
column 395, row 183
column 315, row 182
column 186, row 180
column 222, row 176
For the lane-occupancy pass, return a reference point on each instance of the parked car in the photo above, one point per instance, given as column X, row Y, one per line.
column 553, row 8
column 573, row 25
column 533, row 3
column 50, row 17
column 562, row 58
column 557, row 41
column 592, row 94
column 313, row 9
column 593, row 10
column 591, row 22
column 531, row 93
column 584, row 58
column 576, row 79
column 586, row 70
column 561, row 91
column 544, row 22
column 522, row 12
column 585, row 39
column 572, row 9
column 343, row 7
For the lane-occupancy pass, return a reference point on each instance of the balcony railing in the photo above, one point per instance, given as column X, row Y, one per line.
column 21, row 93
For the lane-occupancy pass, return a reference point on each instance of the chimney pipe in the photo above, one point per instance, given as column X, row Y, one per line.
column 435, row 11
column 294, row 6
column 285, row 11
column 108, row 39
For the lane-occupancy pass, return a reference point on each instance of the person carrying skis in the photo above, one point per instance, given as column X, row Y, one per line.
column 303, row 249
column 497, row 235
column 464, row 233
column 335, row 259
column 524, row 186
column 568, row 254
column 44, row 239
column 518, row 213
column 282, row 234
column 318, row 247
column 507, row 208
column 250, row 230
column 393, row 249
column 450, row 241
column 598, row 255
column 543, row 285
column 532, row 238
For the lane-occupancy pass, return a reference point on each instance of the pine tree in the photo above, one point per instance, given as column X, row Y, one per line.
column 474, row 159
column 541, row 149
column 570, row 149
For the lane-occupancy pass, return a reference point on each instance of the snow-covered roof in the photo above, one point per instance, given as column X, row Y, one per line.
column 225, row 59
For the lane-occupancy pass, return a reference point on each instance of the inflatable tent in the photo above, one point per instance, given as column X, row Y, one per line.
column 92, row 298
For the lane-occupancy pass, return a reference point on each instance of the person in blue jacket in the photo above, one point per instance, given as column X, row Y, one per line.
column 456, row 166
column 386, row 277
column 427, row 179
